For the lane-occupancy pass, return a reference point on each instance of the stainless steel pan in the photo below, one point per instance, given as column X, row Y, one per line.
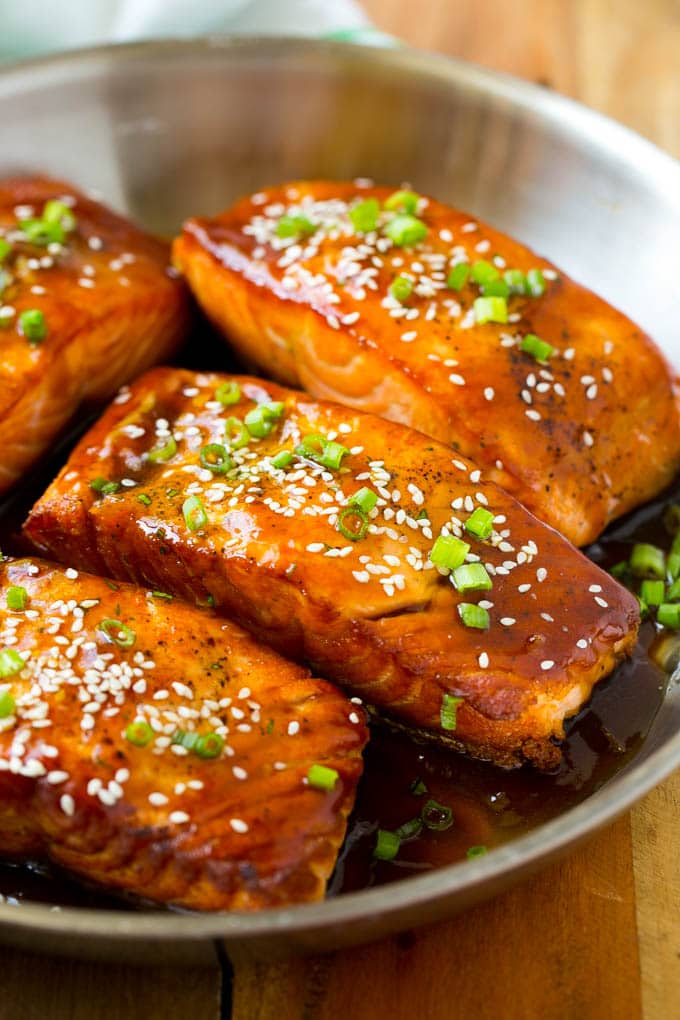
column 163, row 130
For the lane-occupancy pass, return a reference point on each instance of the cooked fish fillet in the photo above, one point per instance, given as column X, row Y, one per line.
column 154, row 748
column 283, row 547
column 101, row 307
column 580, row 435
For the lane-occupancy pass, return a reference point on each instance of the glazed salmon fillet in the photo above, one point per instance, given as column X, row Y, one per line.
column 348, row 542
column 399, row 305
column 156, row 749
column 86, row 302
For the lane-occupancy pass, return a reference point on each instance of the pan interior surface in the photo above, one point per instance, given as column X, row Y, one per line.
column 164, row 130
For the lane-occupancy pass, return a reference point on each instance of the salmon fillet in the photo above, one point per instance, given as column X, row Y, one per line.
column 315, row 527
column 154, row 748
column 86, row 302
column 301, row 279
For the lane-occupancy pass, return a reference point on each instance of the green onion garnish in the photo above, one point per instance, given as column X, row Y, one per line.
column 5, row 249
column 143, row 498
column 447, row 713
column 409, row 830
column 282, row 459
column 263, row 418
column 668, row 614
column 364, row 215
column 620, row 569
column 480, row 523
column 118, row 632
column 537, row 348
column 235, row 433
column 10, row 662
column 483, row 272
column 403, row 201
column 496, row 288
column 228, row 393
column 386, row 846
column 323, row 451
column 194, row 513
column 472, row 577
column 139, row 733
column 164, row 450
column 437, row 817
column 418, row 787
column 405, row 231
column 185, row 739
column 476, row 851
column 365, row 499
column 32, row 325
column 55, row 211
column 321, row 777
column 103, row 486
column 401, row 288
column 295, row 226
column 673, row 593
column 648, row 561
column 215, row 458
column 644, row 608
column 652, row 592
column 162, row 595
column 536, row 285
column 209, row 745
column 491, row 309
column 17, row 597
column 42, row 233
column 516, row 281
column 458, row 276
column 474, row 616
column 449, row 551
column 7, row 704
column 357, row 523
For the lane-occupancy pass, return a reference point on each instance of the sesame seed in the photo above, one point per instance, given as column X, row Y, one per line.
column 581, row 643
column 595, row 588
column 534, row 415
column 158, row 799
column 71, row 573
column 508, row 621
column 293, row 728
column 489, row 393
column 67, row 804
column 178, row 817
column 601, row 602
column 522, row 588
column 483, row 660
column 57, row 776
column 457, row 380
column 541, row 574
column 238, row 825
column 547, row 664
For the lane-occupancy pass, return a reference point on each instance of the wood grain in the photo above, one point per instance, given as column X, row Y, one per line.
column 541, row 950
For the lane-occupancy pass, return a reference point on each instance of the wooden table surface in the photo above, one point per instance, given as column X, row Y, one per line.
column 595, row 937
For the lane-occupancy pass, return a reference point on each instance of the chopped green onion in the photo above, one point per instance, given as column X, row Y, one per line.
column 321, row 450
column 32, row 325
column 405, row 231
column 365, row 499
column 418, row 787
column 5, row 249
column 7, row 705
column 409, row 830
column 162, row 595
column 619, row 570
column 228, row 393
column 295, row 226
column 58, row 212
column 480, row 522
column 17, row 597
column 449, row 551
column 644, row 608
column 364, row 215
column 668, row 614
column 673, row 593
column 143, row 498
column 496, row 288
column 403, row 201
column 483, row 272
column 41, row 233
column 437, row 817
column 194, row 513
column 321, row 777
column 332, row 455
column 536, row 285
column 671, row 518
column 537, row 348
column 458, row 276
column 491, row 309
column 386, row 846
column 516, row 281
column 358, row 523
column 652, row 592
column 401, row 288
column 282, row 459
column 118, row 632
column 472, row 577
column 104, row 487
column 209, row 745
column 139, row 733
column 215, row 458
column 476, row 851
column 448, row 711
column 647, row 561
column 164, row 450
column 10, row 662
column 263, row 418
column 235, row 433
column 474, row 616
column 673, row 563
column 185, row 739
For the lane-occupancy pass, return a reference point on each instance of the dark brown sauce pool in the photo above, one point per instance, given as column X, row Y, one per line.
column 490, row 806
